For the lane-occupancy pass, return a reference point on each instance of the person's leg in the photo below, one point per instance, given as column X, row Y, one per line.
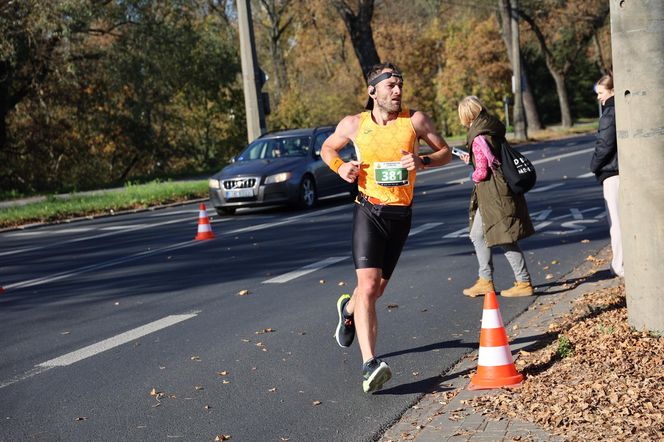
column 483, row 252
column 610, row 187
column 484, row 283
column 522, row 286
column 362, row 306
column 517, row 261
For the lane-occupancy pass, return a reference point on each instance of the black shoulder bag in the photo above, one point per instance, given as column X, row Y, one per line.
column 517, row 169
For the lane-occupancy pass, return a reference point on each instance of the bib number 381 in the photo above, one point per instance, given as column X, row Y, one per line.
column 391, row 174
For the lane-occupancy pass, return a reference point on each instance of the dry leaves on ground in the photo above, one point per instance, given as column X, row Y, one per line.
column 608, row 388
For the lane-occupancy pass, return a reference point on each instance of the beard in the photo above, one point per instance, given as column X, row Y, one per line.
column 389, row 106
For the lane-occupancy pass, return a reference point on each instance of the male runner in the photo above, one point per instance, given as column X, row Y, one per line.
column 386, row 141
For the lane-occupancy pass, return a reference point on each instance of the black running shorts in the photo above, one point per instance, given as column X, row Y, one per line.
column 378, row 238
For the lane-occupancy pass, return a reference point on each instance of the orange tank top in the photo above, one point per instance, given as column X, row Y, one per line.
column 379, row 149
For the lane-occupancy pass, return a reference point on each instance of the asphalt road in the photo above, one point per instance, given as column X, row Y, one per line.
column 98, row 314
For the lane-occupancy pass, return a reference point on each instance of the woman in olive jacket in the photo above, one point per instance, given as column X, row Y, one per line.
column 604, row 165
column 498, row 217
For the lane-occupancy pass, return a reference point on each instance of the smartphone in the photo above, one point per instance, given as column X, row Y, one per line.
column 458, row 152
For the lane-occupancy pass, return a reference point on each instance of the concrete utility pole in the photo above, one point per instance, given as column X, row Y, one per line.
column 520, row 132
column 251, row 74
column 637, row 40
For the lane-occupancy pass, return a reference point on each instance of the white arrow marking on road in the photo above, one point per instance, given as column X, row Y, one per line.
column 305, row 270
column 423, row 227
column 102, row 346
column 573, row 226
column 542, row 225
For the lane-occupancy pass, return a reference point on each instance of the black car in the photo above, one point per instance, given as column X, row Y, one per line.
column 282, row 167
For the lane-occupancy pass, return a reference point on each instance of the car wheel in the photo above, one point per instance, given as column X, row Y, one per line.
column 308, row 195
column 225, row 210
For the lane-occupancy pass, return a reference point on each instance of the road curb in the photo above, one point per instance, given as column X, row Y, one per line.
column 104, row 215
column 444, row 413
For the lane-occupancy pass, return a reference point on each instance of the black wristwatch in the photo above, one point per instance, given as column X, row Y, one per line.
column 426, row 160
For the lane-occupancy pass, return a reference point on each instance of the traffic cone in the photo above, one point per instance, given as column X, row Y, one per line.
column 495, row 366
column 204, row 227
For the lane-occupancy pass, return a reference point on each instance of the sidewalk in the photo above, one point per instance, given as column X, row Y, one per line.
column 445, row 414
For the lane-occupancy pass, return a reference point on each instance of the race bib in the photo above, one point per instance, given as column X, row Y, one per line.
column 390, row 174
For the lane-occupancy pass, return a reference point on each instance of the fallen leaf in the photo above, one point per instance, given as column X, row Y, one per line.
column 273, row 389
column 225, row 381
column 221, row 437
column 64, row 333
column 154, row 392
column 223, row 373
column 549, row 276
column 243, row 293
column 391, row 306
column 195, row 358
column 555, row 261
column 81, row 418
column 265, row 330
column 585, row 241
column 316, row 403
column 342, row 283
column 198, row 387
column 322, row 281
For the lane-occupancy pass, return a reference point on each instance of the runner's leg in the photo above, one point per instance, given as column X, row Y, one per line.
column 362, row 305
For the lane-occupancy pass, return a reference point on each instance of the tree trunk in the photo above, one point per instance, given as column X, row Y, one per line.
column 563, row 99
column 359, row 29
column 532, row 115
column 278, row 24
column 558, row 76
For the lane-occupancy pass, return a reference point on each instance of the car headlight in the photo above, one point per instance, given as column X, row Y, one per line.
column 214, row 184
column 278, row 178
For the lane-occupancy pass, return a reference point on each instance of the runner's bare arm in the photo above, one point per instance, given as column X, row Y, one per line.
column 426, row 130
column 345, row 132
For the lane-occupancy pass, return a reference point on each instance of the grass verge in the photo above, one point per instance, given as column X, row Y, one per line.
column 58, row 208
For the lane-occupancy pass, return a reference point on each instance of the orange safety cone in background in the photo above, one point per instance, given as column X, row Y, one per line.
column 204, row 227
column 495, row 366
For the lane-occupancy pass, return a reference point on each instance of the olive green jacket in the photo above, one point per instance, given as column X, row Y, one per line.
column 505, row 217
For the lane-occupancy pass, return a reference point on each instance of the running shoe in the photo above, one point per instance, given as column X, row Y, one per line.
column 345, row 332
column 376, row 373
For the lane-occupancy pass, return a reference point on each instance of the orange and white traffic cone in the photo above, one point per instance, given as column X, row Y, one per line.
column 495, row 366
column 204, row 227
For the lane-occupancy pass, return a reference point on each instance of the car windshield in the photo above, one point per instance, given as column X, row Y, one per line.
column 266, row 148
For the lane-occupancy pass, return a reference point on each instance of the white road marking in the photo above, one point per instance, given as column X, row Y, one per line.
column 459, row 181
column 305, row 270
column 564, row 155
column 423, row 228
column 286, row 220
column 103, row 265
column 545, row 188
column 115, row 341
column 99, row 347
column 542, row 225
column 535, row 162
column 461, row 233
column 573, row 226
column 132, row 228
column 586, row 175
